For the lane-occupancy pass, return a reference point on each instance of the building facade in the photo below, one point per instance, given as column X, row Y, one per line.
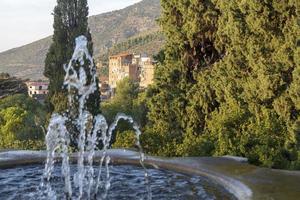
column 121, row 66
column 37, row 89
column 105, row 92
column 146, row 74
column 135, row 66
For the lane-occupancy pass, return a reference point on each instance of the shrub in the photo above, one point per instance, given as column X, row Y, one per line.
column 126, row 139
column 22, row 122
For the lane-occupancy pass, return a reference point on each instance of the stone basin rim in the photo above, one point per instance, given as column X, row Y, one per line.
column 9, row 159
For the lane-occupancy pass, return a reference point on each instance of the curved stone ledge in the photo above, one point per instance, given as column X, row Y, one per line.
column 234, row 174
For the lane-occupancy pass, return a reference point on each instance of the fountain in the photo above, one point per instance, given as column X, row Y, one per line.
column 92, row 131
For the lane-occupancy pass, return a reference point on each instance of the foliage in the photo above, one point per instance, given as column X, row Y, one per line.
column 194, row 145
column 126, row 91
column 125, row 139
column 186, row 51
column 11, row 85
column 129, row 100
column 227, row 81
column 122, row 102
column 132, row 43
column 104, row 71
column 4, row 75
column 21, row 123
column 34, row 145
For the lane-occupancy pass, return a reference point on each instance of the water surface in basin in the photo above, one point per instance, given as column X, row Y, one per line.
column 127, row 183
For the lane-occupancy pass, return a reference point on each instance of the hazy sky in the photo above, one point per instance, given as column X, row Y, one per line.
column 25, row 21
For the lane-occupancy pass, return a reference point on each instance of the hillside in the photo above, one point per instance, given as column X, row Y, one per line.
column 11, row 85
column 148, row 43
column 26, row 61
column 107, row 30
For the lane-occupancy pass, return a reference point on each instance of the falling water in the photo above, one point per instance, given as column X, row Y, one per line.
column 92, row 131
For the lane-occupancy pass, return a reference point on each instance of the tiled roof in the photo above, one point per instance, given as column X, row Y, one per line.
column 121, row 55
column 37, row 83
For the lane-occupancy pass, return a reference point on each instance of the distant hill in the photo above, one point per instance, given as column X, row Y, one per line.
column 26, row 61
column 146, row 43
column 107, row 30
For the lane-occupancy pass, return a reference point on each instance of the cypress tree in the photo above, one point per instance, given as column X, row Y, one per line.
column 70, row 21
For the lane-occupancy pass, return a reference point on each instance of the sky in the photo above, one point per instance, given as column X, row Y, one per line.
column 25, row 21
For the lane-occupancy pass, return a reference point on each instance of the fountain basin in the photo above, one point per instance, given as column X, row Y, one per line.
column 244, row 181
column 127, row 183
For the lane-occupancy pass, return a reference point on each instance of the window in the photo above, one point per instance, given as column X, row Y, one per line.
column 40, row 87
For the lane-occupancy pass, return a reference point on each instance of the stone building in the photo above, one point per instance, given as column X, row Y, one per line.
column 146, row 74
column 138, row 67
column 121, row 66
column 105, row 91
column 37, row 89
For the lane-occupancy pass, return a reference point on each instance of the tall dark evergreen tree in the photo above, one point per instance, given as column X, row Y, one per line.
column 189, row 28
column 70, row 21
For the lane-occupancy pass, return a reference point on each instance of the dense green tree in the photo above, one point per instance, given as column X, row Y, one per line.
column 131, row 101
column 189, row 28
column 123, row 101
column 257, row 74
column 70, row 21
column 21, row 123
column 228, row 81
column 125, row 139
